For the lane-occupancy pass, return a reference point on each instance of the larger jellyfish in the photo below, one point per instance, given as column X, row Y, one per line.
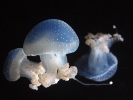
column 100, row 64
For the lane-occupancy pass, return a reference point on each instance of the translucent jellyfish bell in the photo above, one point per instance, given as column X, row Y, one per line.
column 100, row 64
column 52, row 39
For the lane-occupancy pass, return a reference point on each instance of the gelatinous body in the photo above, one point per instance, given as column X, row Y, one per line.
column 52, row 39
column 100, row 64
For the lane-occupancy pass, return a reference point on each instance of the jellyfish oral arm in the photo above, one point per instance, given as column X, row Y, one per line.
column 56, row 68
column 31, row 71
column 67, row 73
column 51, row 62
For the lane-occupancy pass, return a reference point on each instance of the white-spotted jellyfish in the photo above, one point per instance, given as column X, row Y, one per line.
column 17, row 65
column 99, row 64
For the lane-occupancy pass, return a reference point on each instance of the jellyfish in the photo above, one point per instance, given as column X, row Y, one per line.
column 99, row 64
column 17, row 65
column 51, row 39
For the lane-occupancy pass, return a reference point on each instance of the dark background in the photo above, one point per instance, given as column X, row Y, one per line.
column 17, row 18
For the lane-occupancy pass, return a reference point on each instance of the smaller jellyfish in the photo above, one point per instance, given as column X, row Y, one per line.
column 17, row 65
column 100, row 64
